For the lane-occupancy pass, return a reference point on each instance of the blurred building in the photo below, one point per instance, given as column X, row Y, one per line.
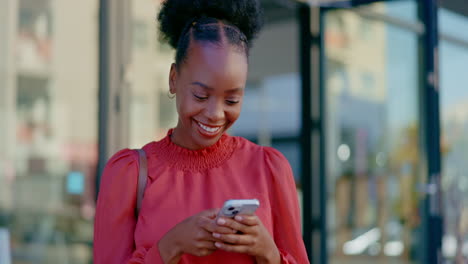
column 80, row 80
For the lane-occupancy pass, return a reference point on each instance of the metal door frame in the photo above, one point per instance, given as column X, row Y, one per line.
column 113, row 95
column 313, row 130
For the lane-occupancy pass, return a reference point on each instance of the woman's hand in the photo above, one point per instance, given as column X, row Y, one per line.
column 192, row 236
column 253, row 239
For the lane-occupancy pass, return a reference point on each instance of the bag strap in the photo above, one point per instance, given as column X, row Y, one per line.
column 142, row 177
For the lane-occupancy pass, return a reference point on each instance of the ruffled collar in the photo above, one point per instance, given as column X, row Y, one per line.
column 187, row 159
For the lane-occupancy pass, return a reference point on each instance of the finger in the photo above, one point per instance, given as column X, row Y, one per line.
column 203, row 252
column 216, row 211
column 233, row 248
column 249, row 220
column 207, row 236
column 206, row 245
column 204, row 235
column 211, row 213
column 230, row 223
column 234, row 239
column 222, row 229
column 212, row 227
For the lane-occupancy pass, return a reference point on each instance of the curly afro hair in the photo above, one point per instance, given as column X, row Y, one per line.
column 209, row 20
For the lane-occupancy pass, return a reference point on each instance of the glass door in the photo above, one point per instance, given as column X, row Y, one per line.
column 454, row 123
column 373, row 163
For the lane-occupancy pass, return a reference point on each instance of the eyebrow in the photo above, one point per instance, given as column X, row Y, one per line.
column 211, row 88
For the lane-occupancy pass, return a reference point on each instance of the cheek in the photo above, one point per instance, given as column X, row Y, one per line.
column 187, row 107
column 233, row 114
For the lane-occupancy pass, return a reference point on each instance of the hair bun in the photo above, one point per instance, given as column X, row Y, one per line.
column 176, row 14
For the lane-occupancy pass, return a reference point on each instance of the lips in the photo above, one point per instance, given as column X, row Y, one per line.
column 208, row 130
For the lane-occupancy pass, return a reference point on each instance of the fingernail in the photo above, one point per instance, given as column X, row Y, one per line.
column 221, row 221
column 216, row 235
column 238, row 218
column 217, row 244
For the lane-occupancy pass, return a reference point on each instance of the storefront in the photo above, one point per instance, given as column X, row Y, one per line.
column 383, row 116
column 379, row 183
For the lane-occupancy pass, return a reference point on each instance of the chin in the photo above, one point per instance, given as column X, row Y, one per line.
column 207, row 141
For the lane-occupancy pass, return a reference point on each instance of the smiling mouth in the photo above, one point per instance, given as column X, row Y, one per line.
column 209, row 130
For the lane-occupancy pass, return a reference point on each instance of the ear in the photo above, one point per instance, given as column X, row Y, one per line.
column 173, row 78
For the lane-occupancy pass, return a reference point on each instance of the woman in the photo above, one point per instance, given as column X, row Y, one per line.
column 197, row 166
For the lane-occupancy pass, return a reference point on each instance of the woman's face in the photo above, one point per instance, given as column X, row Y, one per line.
column 209, row 88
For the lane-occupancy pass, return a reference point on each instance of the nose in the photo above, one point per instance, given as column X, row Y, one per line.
column 215, row 111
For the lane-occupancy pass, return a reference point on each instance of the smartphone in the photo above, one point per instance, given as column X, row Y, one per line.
column 231, row 208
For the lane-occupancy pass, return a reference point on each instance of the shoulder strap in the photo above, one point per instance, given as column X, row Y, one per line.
column 142, row 177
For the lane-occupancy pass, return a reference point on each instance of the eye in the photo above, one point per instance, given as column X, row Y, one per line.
column 232, row 102
column 201, row 98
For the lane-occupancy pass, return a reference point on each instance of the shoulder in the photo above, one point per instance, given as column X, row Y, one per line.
column 274, row 155
column 123, row 158
column 277, row 163
column 246, row 145
column 271, row 156
column 120, row 169
column 118, row 187
column 126, row 160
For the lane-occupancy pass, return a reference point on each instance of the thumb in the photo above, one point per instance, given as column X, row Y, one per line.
column 211, row 213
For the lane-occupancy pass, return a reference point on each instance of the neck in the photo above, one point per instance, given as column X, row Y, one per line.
column 178, row 140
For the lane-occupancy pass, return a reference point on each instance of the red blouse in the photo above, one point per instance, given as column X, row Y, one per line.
column 182, row 183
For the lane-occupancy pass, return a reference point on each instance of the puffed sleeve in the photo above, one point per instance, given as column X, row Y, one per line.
column 285, row 209
column 115, row 219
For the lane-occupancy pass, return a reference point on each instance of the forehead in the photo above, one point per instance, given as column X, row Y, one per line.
column 212, row 62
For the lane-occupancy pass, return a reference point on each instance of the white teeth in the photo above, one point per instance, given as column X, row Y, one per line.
column 209, row 129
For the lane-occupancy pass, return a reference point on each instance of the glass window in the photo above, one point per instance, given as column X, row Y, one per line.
column 273, row 80
column 49, row 142
column 454, row 125
column 265, row 113
column 271, row 108
column 453, row 24
column 152, row 112
column 403, row 10
column 372, row 139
